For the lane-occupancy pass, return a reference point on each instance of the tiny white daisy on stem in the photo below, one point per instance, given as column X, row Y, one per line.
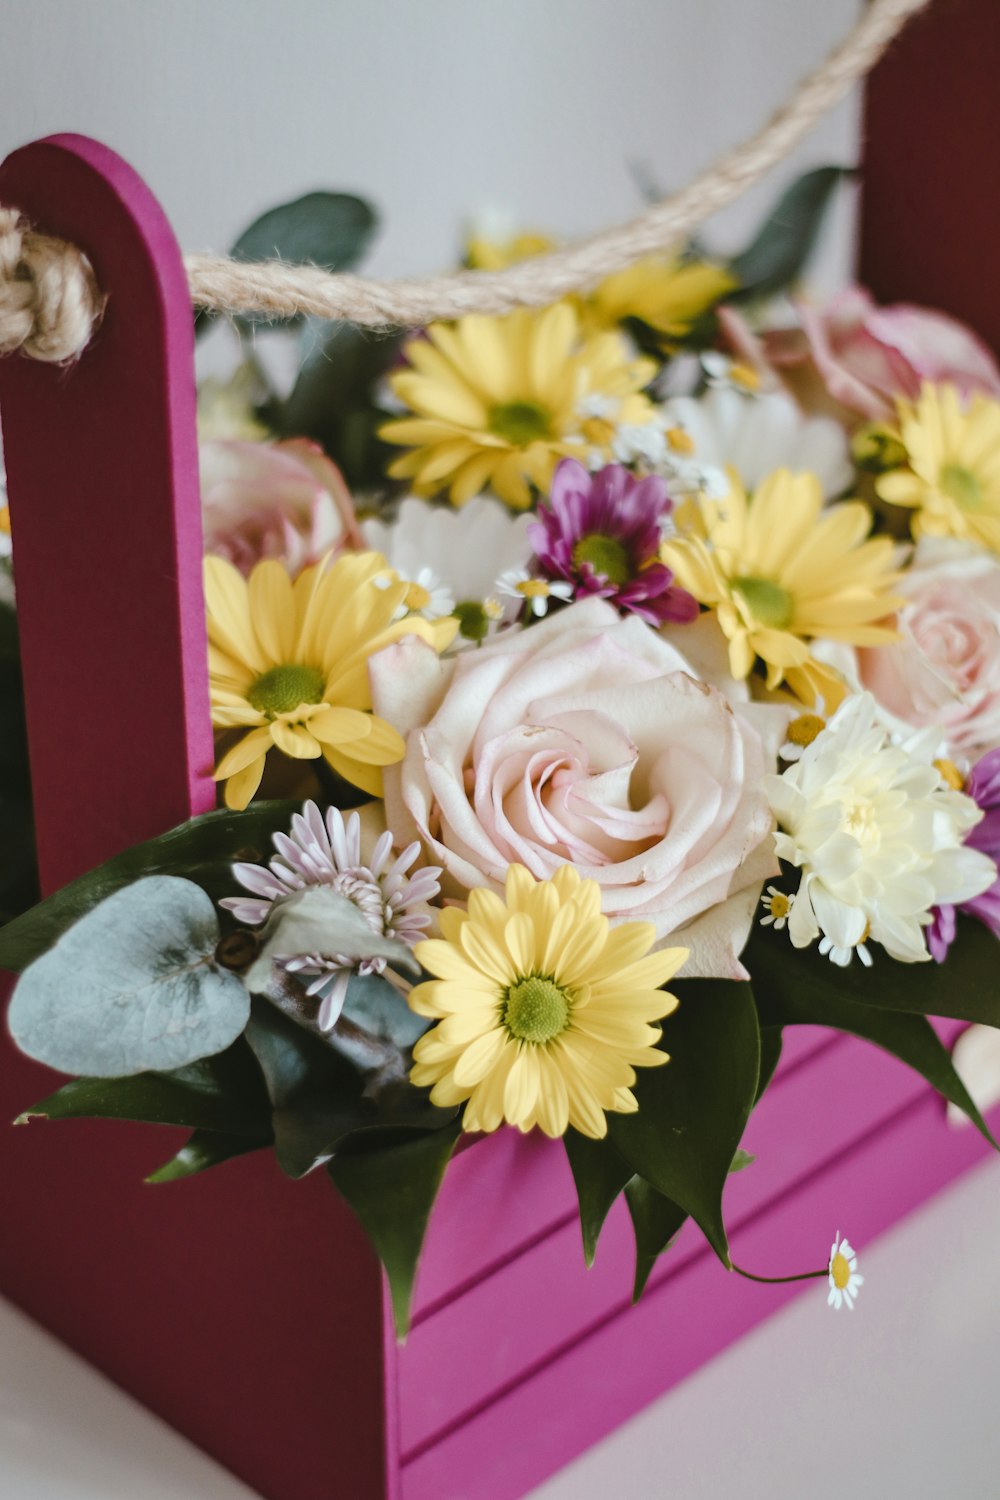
column 533, row 593
column 844, row 1277
column 802, row 730
column 425, row 595
column 327, row 852
column 777, row 904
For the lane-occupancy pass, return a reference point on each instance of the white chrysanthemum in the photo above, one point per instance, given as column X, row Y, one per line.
column 877, row 835
column 756, row 434
column 327, row 852
column 466, row 547
column 843, row 1273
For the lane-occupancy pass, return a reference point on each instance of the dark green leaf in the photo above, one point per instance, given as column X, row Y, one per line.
column 911, row 1038
column 692, row 1112
column 332, row 400
column 224, row 1093
column 332, row 230
column 770, row 1056
column 201, row 850
column 966, row 987
column 600, row 1172
column 206, row 1149
column 656, row 1222
column 778, row 253
column 133, row 986
column 392, row 1189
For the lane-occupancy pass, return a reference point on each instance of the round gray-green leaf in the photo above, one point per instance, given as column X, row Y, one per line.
column 133, row 986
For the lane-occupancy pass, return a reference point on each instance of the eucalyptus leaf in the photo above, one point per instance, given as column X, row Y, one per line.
column 693, row 1111
column 131, row 987
column 911, row 1038
column 965, row 987
column 656, row 1222
column 332, row 230
column 206, row 1149
column 600, row 1173
column 319, row 919
column 377, row 1006
column 221, row 1094
column 392, row 1189
column 202, row 849
column 778, row 253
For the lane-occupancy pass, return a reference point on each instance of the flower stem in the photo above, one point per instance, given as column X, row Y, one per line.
column 775, row 1280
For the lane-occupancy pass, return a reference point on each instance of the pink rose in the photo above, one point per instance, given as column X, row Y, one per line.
column 868, row 355
column 588, row 739
column 281, row 500
column 853, row 358
column 945, row 669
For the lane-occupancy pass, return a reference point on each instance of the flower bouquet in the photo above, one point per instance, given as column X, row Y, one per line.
column 598, row 692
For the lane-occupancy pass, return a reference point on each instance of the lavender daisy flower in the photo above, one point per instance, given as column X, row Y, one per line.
column 983, row 786
column 327, row 852
column 602, row 532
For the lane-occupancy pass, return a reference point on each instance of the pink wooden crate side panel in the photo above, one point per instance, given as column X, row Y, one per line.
column 244, row 1309
column 509, row 1191
column 102, row 469
column 574, row 1401
column 473, row 1347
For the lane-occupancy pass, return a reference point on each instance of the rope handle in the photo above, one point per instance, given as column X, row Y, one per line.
column 50, row 303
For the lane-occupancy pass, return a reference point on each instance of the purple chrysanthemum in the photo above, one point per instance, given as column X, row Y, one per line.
column 602, row 533
column 327, row 852
column 983, row 787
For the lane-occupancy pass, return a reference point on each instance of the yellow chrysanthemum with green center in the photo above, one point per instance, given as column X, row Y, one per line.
column 780, row 570
column 498, row 401
column 288, row 662
column 668, row 295
column 544, row 1009
column 952, row 481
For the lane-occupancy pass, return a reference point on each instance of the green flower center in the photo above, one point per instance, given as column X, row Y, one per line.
column 520, row 422
column 536, row 1009
column 962, row 486
column 608, row 558
column 282, row 689
column 770, row 604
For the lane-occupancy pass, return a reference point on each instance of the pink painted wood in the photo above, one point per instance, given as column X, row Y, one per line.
column 248, row 1312
column 102, row 469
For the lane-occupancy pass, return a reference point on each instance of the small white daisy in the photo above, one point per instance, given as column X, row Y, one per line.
column 327, row 852
column 802, row 730
column 729, row 374
column 597, row 404
column 533, row 593
column 426, row 595
column 645, row 445
column 844, row 1277
column 777, row 905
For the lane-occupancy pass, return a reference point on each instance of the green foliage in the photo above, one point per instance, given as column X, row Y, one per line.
column 131, row 987
column 333, row 398
column 206, row 1149
column 777, row 255
column 202, row 849
column 600, row 1173
column 911, row 1038
column 965, row 988
column 221, row 1094
column 391, row 1186
column 692, row 1112
column 656, row 1222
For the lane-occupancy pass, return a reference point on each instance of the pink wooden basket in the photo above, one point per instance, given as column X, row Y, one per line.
column 247, row 1310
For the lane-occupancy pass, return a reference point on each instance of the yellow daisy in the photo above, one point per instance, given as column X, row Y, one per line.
column 499, row 400
column 289, row 663
column 953, row 478
column 668, row 295
column 544, row 1009
column 779, row 571
column 485, row 254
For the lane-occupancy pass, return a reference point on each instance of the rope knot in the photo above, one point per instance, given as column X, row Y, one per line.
column 50, row 302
